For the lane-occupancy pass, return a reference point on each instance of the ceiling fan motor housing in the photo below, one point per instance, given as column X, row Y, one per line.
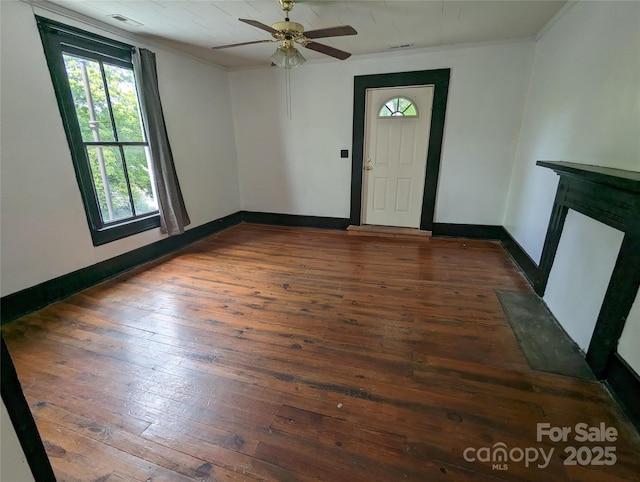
column 294, row 29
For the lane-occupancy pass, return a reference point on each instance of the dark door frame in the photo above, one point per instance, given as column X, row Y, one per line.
column 440, row 80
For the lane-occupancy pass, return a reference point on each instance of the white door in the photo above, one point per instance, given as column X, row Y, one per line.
column 395, row 155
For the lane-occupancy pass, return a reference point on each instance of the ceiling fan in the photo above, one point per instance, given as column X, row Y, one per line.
column 291, row 33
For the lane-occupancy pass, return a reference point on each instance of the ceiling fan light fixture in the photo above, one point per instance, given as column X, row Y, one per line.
column 291, row 33
column 287, row 57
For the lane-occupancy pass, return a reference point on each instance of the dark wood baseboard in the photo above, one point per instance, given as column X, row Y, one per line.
column 487, row 231
column 22, row 420
column 30, row 299
column 528, row 267
column 294, row 220
column 471, row 231
column 624, row 385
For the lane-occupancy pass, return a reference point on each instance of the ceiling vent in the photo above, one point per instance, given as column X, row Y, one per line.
column 123, row 19
column 401, row 46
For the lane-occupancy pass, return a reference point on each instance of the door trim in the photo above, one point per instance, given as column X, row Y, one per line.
column 440, row 80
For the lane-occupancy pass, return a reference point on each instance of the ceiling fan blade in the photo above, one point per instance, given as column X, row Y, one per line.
column 255, row 23
column 243, row 43
column 339, row 31
column 325, row 49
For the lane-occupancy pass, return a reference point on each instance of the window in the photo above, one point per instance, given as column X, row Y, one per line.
column 398, row 107
column 95, row 87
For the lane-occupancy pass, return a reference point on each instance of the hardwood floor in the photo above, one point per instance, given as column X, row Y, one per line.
column 291, row 354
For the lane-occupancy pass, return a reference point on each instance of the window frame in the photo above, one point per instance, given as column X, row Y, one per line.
column 58, row 39
column 402, row 113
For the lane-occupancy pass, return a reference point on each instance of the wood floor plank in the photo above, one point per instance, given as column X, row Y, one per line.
column 289, row 354
column 106, row 431
column 81, row 458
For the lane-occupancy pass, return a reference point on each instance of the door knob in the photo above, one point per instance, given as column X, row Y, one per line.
column 368, row 167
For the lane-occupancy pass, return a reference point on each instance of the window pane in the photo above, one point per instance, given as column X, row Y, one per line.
column 140, row 179
column 391, row 105
column 89, row 98
column 384, row 112
column 107, row 170
column 398, row 107
column 124, row 103
column 403, row 104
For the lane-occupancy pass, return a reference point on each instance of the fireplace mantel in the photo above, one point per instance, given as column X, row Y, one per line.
column 617, row 178
column 611, row 196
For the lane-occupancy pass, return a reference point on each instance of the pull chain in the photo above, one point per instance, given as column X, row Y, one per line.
column 288, row 93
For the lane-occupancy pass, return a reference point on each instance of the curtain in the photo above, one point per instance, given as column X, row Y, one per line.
column 173, row 213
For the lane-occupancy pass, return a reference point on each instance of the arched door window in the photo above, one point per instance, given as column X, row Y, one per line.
column 398, row 107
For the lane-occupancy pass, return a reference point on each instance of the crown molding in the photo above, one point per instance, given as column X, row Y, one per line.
column 396, row 53
column 559, row 14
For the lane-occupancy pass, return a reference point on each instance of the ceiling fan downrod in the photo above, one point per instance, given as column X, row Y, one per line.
column 287, row 30
column 287, row 6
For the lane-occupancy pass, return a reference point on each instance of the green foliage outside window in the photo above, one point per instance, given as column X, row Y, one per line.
column 398, row 107
column 120, row 86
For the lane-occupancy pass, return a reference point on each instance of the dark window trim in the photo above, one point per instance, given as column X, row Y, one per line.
column 108, row 47
column 79, row 42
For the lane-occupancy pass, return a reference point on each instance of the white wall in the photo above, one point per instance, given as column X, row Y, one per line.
column 13, row 463
column 628, row 347
column 44, row 227
column 583, row 106
column 293, row 165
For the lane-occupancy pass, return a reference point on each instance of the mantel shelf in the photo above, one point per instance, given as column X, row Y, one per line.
column 618, row 178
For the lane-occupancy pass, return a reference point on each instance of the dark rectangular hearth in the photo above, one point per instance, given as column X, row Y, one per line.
column 545, row 344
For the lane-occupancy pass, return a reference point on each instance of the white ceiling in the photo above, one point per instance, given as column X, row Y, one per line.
column 194, row 26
